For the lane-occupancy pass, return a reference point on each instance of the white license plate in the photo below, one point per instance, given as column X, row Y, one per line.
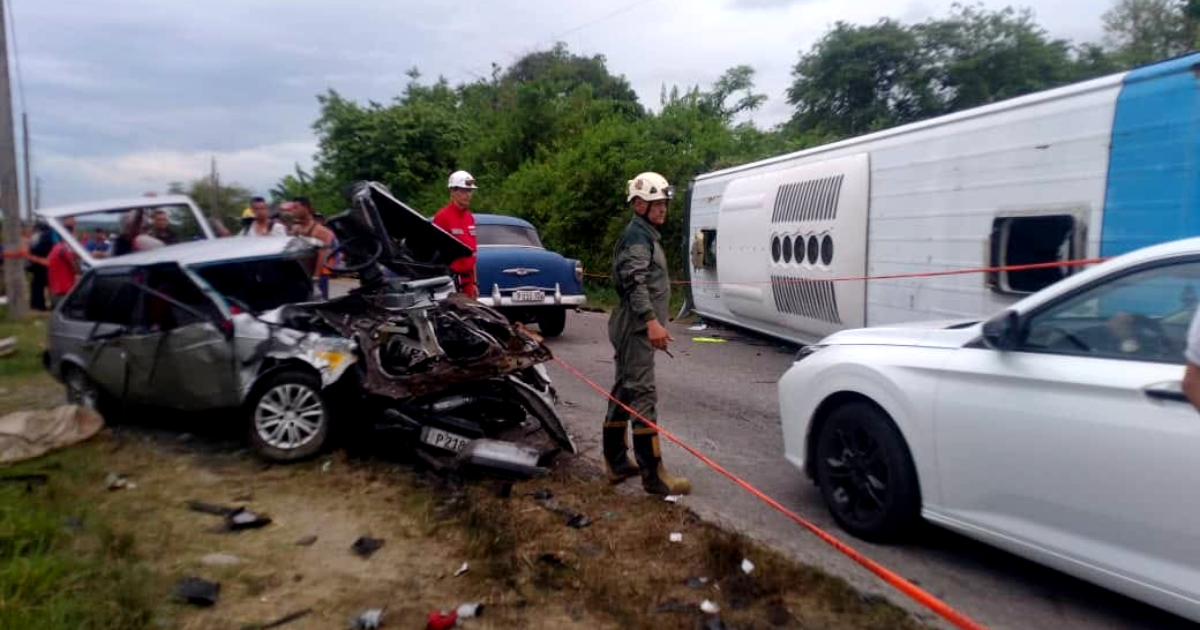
column 444, row 439
column 529, row 296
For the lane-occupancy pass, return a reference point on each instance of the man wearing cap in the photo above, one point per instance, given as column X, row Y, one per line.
column 456, row 218
column 637, row 329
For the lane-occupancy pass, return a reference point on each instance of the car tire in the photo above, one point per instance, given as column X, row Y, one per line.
column 288, row 416
column 866, row 474
column 552, row 322
column 83, row 391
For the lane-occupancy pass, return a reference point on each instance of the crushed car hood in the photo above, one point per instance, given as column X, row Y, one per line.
column 934, row 334
column 404, row 232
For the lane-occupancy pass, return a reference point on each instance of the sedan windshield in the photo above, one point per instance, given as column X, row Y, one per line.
column 508, row 235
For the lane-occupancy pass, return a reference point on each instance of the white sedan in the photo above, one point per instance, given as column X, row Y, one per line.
column 1056, row 430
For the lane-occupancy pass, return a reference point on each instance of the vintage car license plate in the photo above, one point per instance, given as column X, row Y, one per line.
column 444, row 439
column 529, row 296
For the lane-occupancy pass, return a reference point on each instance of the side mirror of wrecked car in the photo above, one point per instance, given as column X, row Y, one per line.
column 1002, row 331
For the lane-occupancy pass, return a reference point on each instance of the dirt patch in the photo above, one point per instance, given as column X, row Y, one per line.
column 304, row 559
column 625, row 563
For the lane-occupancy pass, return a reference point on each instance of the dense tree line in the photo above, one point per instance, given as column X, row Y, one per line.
column 553, row 137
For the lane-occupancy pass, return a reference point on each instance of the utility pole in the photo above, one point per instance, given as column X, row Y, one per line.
column 10, row 196
column 216, row 191
column 28, row 170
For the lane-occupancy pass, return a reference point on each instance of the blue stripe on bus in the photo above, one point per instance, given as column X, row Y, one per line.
column 1153, row 192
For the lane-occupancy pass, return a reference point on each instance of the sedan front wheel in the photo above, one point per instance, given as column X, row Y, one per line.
column 866, row 473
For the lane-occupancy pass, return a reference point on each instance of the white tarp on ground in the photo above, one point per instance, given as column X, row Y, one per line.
column 28, row 434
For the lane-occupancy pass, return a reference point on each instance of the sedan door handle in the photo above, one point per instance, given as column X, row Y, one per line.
column 1169, row 391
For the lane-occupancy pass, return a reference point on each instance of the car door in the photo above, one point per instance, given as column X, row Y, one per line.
column 1078, row 443
column 98, row 315
column 183, row 358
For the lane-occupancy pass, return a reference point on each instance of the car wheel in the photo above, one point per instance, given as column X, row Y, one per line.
column 83, row 391
column 866, row 473
column 552, row 322
column 288, row 416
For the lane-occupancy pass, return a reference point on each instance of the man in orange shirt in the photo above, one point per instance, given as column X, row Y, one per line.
column 456, row 218
column 307, row 226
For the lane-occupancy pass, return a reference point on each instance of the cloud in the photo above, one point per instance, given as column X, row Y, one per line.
column 258, row 168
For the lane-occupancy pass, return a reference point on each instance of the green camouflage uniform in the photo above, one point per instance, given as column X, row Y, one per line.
column 639, row 273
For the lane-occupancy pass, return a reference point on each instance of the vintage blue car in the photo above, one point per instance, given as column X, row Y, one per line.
column 524, row 280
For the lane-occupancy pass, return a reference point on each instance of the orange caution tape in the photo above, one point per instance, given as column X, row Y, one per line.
column 896, row 276
column 913, row 591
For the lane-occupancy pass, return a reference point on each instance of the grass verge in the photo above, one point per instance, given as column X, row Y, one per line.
column 31, row 341
column 62, row 564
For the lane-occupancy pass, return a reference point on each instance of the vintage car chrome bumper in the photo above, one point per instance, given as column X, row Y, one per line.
column 551, row 297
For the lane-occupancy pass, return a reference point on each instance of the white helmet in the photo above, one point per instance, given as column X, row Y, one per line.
column 462, row 179
column 650, row 186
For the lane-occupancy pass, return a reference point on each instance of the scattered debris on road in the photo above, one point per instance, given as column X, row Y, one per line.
column 242, row 518
column 197, row 591
column 439, row 620
column 368, row 619
column 117, row 481
column 365, row 546
column 463, row 569
column 36, row 479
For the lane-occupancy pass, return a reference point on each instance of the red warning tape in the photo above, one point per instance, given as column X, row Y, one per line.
column 895, row 580
column 924, row 274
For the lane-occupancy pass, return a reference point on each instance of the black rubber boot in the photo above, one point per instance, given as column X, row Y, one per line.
column 655, row 479
column 616, row 452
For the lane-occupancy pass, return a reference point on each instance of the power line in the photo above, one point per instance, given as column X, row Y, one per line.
column 602, row 18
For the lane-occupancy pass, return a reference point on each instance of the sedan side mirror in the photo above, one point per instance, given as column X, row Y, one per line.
column 1002, row 332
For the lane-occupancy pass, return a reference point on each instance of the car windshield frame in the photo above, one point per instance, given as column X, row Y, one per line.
column 190, row 211
column 528, row 235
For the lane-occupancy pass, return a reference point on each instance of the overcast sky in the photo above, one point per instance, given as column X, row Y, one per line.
column 127, row 95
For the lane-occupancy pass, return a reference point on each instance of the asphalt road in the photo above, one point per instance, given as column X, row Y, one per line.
column 721, row 399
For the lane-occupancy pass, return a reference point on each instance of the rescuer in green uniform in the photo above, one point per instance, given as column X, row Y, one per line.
column 636, row 329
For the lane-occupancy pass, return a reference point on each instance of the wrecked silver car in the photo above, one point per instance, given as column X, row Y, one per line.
column 231, row 324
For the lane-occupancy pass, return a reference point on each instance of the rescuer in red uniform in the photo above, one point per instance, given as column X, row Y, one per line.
column 456, row 218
